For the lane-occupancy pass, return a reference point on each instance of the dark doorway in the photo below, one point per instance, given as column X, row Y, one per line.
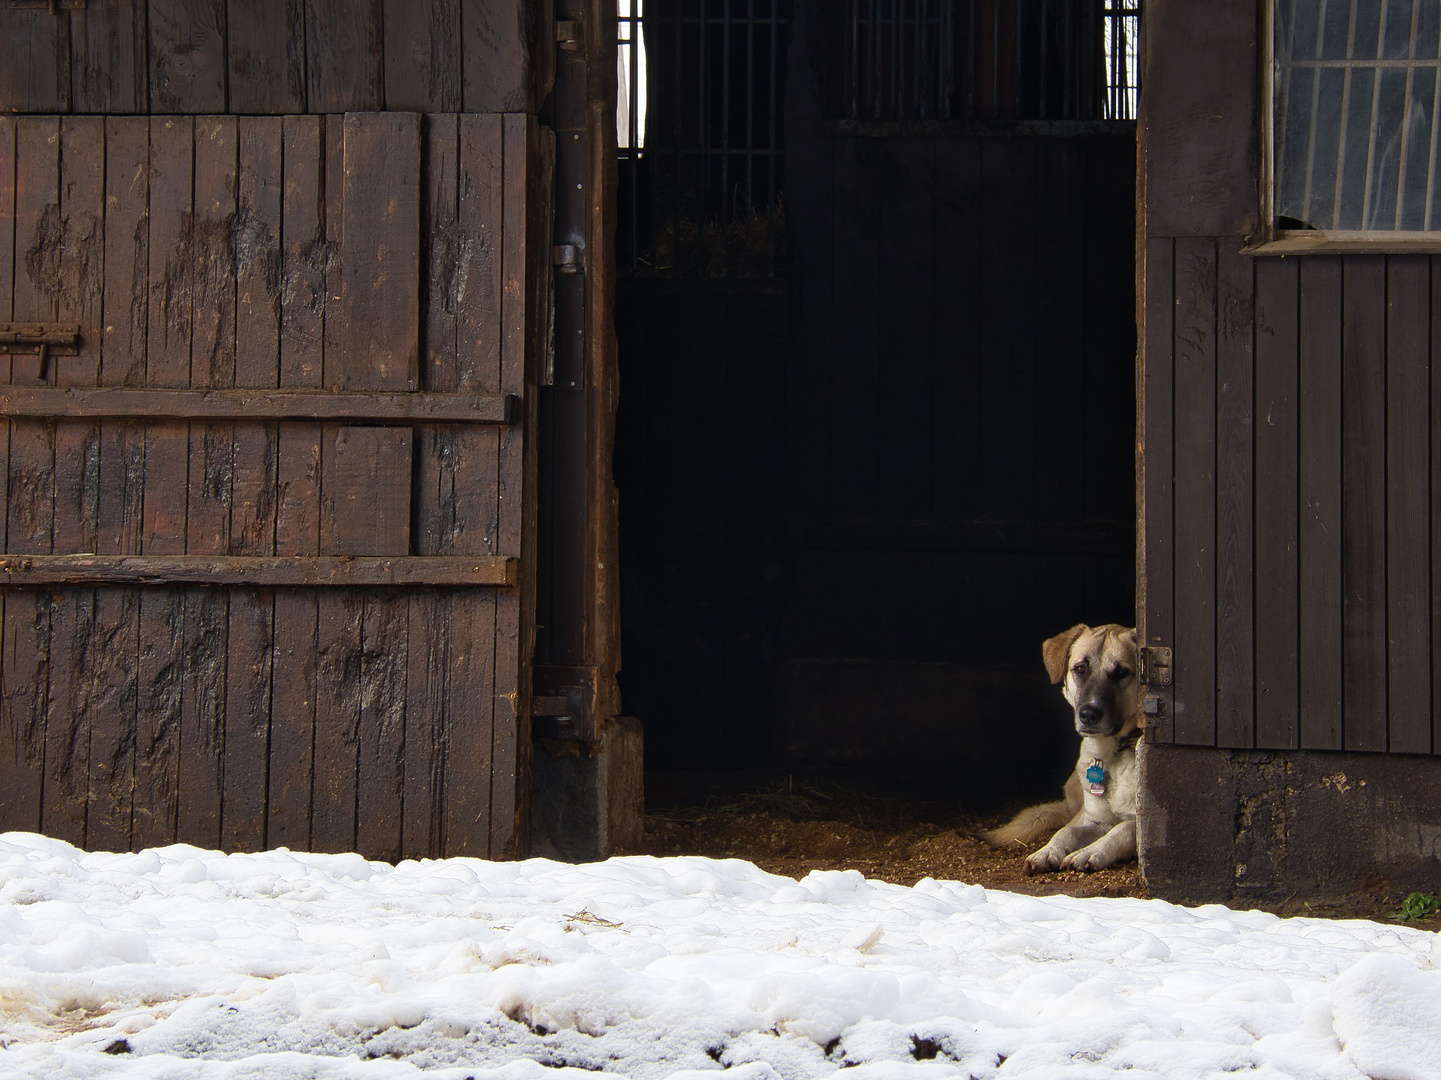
column 877, row 417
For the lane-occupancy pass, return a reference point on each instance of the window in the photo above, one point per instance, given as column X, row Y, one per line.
column 1355, row 88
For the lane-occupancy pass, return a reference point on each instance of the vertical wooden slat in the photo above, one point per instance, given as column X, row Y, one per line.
column 1435, row 504
column 1195, row 492
column 115, row 692
column 507, row 645
column 337, row 641
column 381, row 771
column 422, row 55
column 187, row 56
column 497, row 69
column 1235, row 470
column 22, row 684
column 210, row 253
column 1319, row 530
column 1408, row 492
column 1363, row 501
column 1157, row 601
column 34, row 62
column 34, row 617
column 72, row 274
column 305, row 261
column 265, row 47
column 1277, row 485
column 344, row 47
column 108, row 58
column 167, row 364
column 258, row 296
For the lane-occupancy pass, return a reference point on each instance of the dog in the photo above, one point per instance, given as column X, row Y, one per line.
column 1095, row 824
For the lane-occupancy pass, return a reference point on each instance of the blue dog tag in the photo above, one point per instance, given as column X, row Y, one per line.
column 1096, row 778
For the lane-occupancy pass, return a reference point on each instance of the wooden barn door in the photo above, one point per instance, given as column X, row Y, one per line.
column 268, row 489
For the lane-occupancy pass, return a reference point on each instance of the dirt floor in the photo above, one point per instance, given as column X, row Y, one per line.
column 792, row 827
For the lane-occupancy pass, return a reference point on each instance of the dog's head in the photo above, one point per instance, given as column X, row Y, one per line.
column 1096, row 666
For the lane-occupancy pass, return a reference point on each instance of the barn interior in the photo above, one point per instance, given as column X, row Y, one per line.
column 876, row 434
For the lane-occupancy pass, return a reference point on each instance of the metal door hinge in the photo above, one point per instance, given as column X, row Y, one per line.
column 567, row 258
column 1155, row 661
column 568, row 35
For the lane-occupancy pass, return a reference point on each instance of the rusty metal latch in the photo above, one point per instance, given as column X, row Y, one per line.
column 554, row 716
column 568, row 35
column 1156, row 665
column 40, row 339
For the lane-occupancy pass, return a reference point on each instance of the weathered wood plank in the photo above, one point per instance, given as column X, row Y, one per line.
column 1278, row 288
column 187, row 56
column 475, row 788
column 335, row 785
column 1198, row 118
column 427, row 719
column 1235, row 496
column 265, row 46
column 1363, row 501
column 1435, row 504
column 259, row 571
column 366, row 483
column 382, row 749
column 1319, row 530
column 1194, row 434
column 247, row 706
column 1408, row 493
column 67, row 729
column 157, row 736
column 34, row 62
column 248, row 404
column 116, row 691
column 1155, row 601
column 422, row 55
column 202, row 717
column 7, row 285
column 108, row 58
column 380, row 281
column 23, row 707
column 498, row 75
column 345, row 64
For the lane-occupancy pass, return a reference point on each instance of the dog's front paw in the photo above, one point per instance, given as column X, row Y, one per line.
column 1087, row 859
column 1048, row 858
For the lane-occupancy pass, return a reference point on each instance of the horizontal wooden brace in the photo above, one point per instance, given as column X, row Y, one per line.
column 160, row 404
column 260, row 570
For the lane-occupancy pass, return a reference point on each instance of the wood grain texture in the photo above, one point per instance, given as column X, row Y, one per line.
column 1319, row 529
column 422, row 55
column 1278, row 288
column 187, row 56
column 496, row 53
column 23, row 707
column 1363, row 502
column 1235, row 497
column 265, row 50
column 1197, row 123
column 1157, row 510
column 345, row 63
column 108, row 57
column 1195, row 492
column 1408, row 493
column 34, row 62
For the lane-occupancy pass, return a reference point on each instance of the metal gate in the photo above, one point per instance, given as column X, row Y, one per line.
column 270, row 484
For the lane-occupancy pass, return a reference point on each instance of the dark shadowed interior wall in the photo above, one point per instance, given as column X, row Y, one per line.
column 856, row 496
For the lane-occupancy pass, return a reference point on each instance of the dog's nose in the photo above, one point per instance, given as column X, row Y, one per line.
column 1090, row 712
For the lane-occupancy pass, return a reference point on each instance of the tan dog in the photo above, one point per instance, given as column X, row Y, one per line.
column 1096, row 821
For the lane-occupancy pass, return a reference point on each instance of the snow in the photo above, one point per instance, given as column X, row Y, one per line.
column 184, row 964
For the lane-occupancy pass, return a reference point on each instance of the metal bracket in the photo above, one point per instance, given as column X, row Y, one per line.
column 564, row 703
column 568, row 35
column 40, row 339
column 566, row 258
column 1156, row 665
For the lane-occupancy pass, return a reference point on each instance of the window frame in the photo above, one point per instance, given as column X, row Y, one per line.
column 1272, row 240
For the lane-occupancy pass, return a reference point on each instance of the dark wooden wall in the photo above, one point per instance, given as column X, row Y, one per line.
column 1289, row 436
column 391, row 258
column 254, row 56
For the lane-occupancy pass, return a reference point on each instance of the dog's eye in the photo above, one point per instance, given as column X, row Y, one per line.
column 1120, row 674
column 1081, row 670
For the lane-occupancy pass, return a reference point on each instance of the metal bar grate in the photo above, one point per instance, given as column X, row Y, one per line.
column 1357, row 86
column 990, row 59
column 701, row 177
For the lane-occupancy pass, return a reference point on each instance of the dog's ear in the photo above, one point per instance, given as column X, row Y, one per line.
column 1056, row 651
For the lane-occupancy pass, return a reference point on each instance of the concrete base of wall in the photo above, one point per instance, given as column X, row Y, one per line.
column 1303, row 825
column 588, row 799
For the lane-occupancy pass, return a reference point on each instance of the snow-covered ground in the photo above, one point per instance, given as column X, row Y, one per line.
column 182, row 963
